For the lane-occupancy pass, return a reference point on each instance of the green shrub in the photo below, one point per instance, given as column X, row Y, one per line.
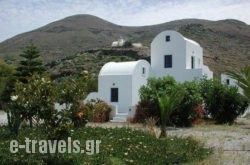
column 146, row 109
column 188, row 111
column 96, row 110
column 222, row 102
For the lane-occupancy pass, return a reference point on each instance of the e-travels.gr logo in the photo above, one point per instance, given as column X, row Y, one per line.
column 51, row 146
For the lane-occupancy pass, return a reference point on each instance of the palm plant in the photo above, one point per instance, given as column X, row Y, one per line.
column 243, row 78
column 168, row 103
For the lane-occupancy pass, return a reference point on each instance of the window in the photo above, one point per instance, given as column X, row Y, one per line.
column 168, row 61
column 192, row 62
column 114, row 94
column 143, row 70
column 167, row 38
column 227, row 81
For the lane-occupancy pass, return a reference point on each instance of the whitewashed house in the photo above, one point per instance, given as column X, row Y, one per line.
column 171, row 54
column 137, row 45
column 119, row 43
column 119, row 84
column 226, row 79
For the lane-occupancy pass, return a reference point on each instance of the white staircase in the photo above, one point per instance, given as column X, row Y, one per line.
column 120, row 117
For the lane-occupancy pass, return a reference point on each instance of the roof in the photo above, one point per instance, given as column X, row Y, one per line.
column 119, row 68
column 192, row 41
column 170, row 32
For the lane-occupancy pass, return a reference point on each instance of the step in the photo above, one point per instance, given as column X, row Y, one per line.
column 120, row 117
column 118, row 120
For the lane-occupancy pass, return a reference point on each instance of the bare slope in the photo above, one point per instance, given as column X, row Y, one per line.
column 226, row 43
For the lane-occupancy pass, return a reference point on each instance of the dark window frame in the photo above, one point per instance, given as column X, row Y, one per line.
column 167, row 38
column 143, row 70
column 114, row 94
column 192, row 62
column 168, row 61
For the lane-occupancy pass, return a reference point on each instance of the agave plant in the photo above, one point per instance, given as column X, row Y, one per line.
column 243, row 78
column 168, row 103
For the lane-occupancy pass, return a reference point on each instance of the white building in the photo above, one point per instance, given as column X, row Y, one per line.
column 226, row 79
column 119, row 84
column 171, row 54
column 119, row 43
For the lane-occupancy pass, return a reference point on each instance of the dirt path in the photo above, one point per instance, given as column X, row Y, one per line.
column 231, row 143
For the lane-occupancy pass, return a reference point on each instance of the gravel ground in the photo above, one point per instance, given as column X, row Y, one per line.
column 231, row 143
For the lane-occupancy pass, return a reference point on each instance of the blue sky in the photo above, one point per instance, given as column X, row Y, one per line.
column 18, row 16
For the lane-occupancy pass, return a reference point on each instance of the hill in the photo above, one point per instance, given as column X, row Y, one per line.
column 226, row 43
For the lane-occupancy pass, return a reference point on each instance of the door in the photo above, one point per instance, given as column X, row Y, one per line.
column 114, row 93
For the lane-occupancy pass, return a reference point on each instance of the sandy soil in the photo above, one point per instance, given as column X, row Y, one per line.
column 231, row 144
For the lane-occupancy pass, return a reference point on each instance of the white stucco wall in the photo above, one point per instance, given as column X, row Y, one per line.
column 139, row 79
column 207, row 72
column 124, row 85
column 127, row 77
column 196, row 51
column 181, row 49
column 232, row 82
column 160, row 48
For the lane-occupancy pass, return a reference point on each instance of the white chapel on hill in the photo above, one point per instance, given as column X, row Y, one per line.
column 171, row 54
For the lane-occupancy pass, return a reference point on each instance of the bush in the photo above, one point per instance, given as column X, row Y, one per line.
column 146, row 109
column 96, row 110
column 222, row 102
column 189, row 110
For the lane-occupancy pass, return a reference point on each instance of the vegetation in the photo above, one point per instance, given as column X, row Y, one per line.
column 168, row 103
column 6, row 72
column 243, row 77
column 91, row 61
column 32, row 101
column 30, row 64
column 190, row 110
column 96, row 110
column 27, row 67
column 222, row 102
column 118, row 146
column 186, row 112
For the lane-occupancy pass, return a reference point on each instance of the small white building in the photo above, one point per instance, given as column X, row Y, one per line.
column 226, row 79
column 119, row 84
column 137, row 45
column 171, row 54
column 119, row 43
column 174, row 55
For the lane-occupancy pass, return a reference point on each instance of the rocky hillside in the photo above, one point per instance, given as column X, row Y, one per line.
column 226, row 43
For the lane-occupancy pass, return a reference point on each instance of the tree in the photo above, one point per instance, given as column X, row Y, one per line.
column 168, row 103
column 184, row 116
column 30, row 65
column 222, row 102
column 71, row 91
column 243, row 77
column 6, row 76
